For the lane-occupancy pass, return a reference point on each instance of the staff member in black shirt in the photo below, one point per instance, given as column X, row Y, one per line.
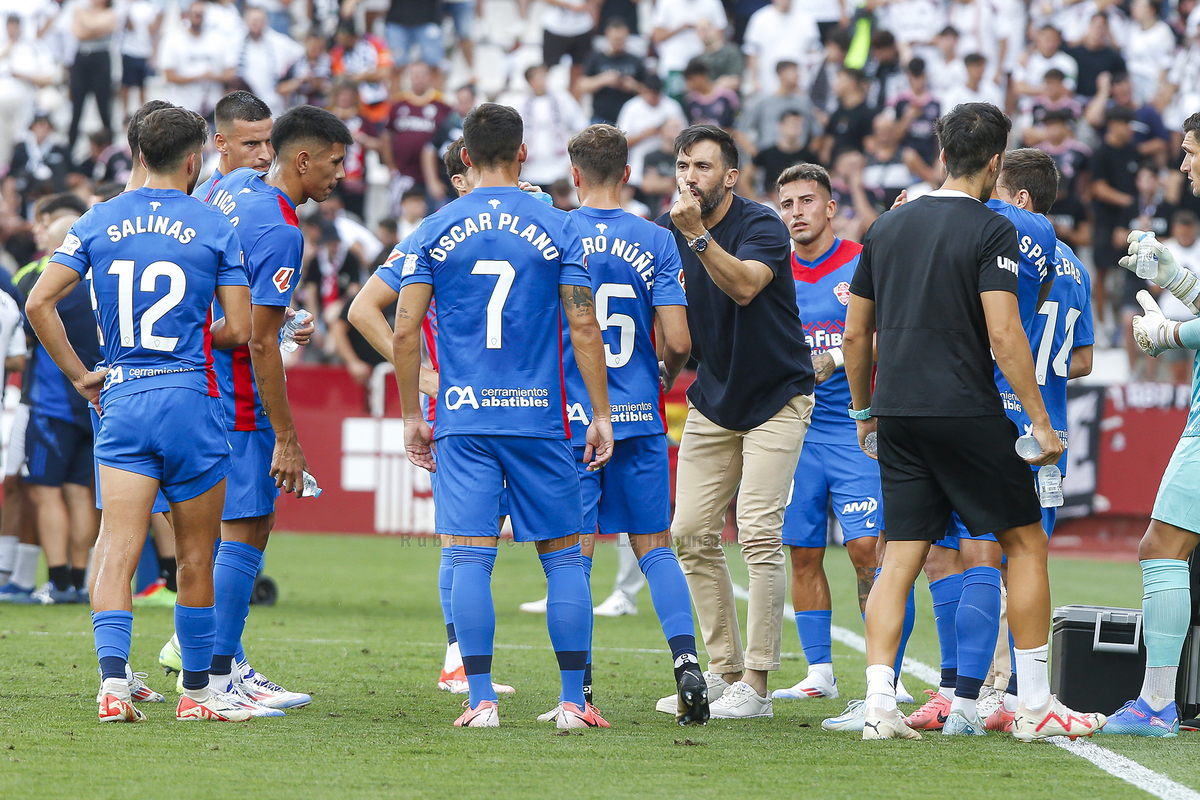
column 937, row 282
column 748, row 412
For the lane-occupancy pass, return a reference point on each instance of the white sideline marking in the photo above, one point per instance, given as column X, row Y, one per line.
column 1115, row 764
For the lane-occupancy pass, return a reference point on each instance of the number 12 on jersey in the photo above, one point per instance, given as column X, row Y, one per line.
column 123, row 269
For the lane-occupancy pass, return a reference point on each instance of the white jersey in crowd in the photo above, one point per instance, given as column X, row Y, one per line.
column 676, row 52
column 135, row 18
column 1037, row 65
column 988, row 92
column 637, row 116
column 550, row 120
column 574, row 21
column 1147, row 55
column 263, row 62
column 913, row 22
column 772, row 37
column 190, row 57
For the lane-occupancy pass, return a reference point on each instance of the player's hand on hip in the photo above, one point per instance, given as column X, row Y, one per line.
column 1153, row 332
column 89, row 385
column 418, row 444
column 1167, row 266
column 288, row 464
column 1052, row 446
column 685, row 213
column 599, row 443
column 866, row 426
column 305, row 332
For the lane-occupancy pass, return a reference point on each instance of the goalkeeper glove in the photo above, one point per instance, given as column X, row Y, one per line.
column 1154, row 333
column 1175, row 279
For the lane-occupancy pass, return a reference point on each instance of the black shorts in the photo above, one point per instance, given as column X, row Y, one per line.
column 134, row 71
column 930, row 466
column 554, row 47
column 58, row 452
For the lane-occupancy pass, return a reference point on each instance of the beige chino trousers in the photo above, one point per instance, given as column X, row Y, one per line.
column 758, row 465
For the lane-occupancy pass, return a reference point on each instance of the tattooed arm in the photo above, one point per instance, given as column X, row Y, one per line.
column 287, row 461
column 589, row 355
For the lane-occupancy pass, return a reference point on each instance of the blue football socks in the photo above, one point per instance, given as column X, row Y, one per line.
column 946, row 593
column 568, row 618
column 113, row 633
column 475, row 617
column 587, row 574
column 445, row 583
column 234, row 571
column 196, row 629
column 977, row 624
column 1167, row 606
column 673, row 605
column 815, row 638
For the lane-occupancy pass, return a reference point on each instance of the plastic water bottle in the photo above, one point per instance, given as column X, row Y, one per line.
column 1049, row 484
column 871, row 443
column 288, row 341
column 1028, row 447
column 312, row 490
column 1147, row 261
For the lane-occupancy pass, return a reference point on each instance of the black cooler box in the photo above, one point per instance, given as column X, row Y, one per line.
column 1097, row 657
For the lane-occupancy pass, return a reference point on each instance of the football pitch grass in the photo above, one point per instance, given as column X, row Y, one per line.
column 359, row 627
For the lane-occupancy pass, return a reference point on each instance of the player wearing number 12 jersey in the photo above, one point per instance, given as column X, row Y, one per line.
column 155, row 259
column 502, row 265
column 635, row 273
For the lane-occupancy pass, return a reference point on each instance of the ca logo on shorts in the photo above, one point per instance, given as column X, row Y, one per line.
column 283, row 278
column 457, row 396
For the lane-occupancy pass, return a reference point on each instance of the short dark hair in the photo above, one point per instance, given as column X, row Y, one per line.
column 63, row 201
column 453, row 158
column 1034, row 171
column 791, row 112
column 1192, row 125
column 615, row 22
column 1119, row 114
column 785, row 63
column 1185, row 217
column 309, row 123
column 240, row 105
column 1063, row 115
column 970, row 135
column 412, row 192
column 101, row 137
column 949, row 30
column 974, row 58
column 696, row 67
column 600, row 152
column 135, row 123
column 805, row 172
column 916, row 66
column 532, row 69
column 108, row 190
column 856, row 75
column 167, row 137
column 1054, row 73
column 693, row 135
column 492, row 134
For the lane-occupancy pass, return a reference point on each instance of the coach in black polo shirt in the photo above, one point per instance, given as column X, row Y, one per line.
column 937, row 284
column 748, row 412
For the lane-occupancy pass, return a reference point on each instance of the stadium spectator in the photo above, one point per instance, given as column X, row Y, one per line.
column 1151, row 212
column 196, row 62
column 40, row 161
column 706, row 103
column 642, row 119
column 1182, row 84
column 916, row 111
column 353, row 188
column 676, row 41
column 1113, row 168
column 93, row 23
column 463, row 13
column 977, row 89
column 852, row 121
column 758, row 124
column 108, row 161
column 1068, row 214
column 724, row 60
column 883, row 71
column 1185, row 246
column 412, row 212
column 856, row 209
column 1149, row 133
column 612, row 77
column 658, row 169
column 821, row 92
column 140, row 25
column 309, row 79
column 1055, row 96
column 946, row 68
column 781, row 31
column 1045, row 56
column 1094, row 55
column 1147, row 50
column 567, row 33
column 25, row 66
column 415, row 24
column 264, row 59
column 891, row 168
column 366, row 61
column 433, row 167
column 791, row 148
column 748, row 412
column 914, row 23
column 411, row 123
column 551, row 118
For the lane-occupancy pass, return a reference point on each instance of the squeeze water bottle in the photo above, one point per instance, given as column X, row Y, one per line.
column 1049, row 485
column 287, row 342
column 1147, row 261
column 312, row 490
column 1028, row 447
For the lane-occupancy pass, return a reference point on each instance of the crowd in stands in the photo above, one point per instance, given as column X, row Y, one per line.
column 1101, row 85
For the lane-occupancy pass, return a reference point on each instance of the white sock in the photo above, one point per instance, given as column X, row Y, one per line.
column 220, row 683
column 8, row 554
column 881, row 687
column 966, row 706
column 1158, row 687
column 1010, row 702
column 199, row 695
column 453, row 658
column 25, row 570
column 824, row 670
column 946, row 692
column 243, row 669
column 1033, row 677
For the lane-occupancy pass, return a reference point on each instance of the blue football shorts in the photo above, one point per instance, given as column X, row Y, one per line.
column 542, row 486
column 174, row 435
column 250, row 491
column 843, row 473
column 57, row 451
column 161, row 506
column 632, row 493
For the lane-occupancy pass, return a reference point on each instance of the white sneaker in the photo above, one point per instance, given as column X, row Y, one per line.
column 115, row 704
column 902, row 694
column 880, row 724
column 849, row 720
column 138, row 690
column 266, row 693
column 989, row 700
column 716, row 687
column 740, row 701
column 534, row 606
column 237, row 694
column 217, row 707
column 815, row 685
column 616, row 605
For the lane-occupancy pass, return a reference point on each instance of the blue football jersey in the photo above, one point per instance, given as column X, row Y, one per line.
column 822, row 294
column 1063, row 323
column 495, row 259
column 50, row 393
column 634, row 266
column 272, row 247
column 154, row 258
column 1036, row 241
column 204, row 190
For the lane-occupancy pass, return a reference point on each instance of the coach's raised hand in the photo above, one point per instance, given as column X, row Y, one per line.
column 686, row 213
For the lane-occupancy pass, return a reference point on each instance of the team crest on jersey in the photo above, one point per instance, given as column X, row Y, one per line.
column 842, row 290
column 69, row 245
column 283, row 278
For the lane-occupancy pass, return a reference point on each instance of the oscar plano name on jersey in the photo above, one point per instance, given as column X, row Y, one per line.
column 509, row 223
